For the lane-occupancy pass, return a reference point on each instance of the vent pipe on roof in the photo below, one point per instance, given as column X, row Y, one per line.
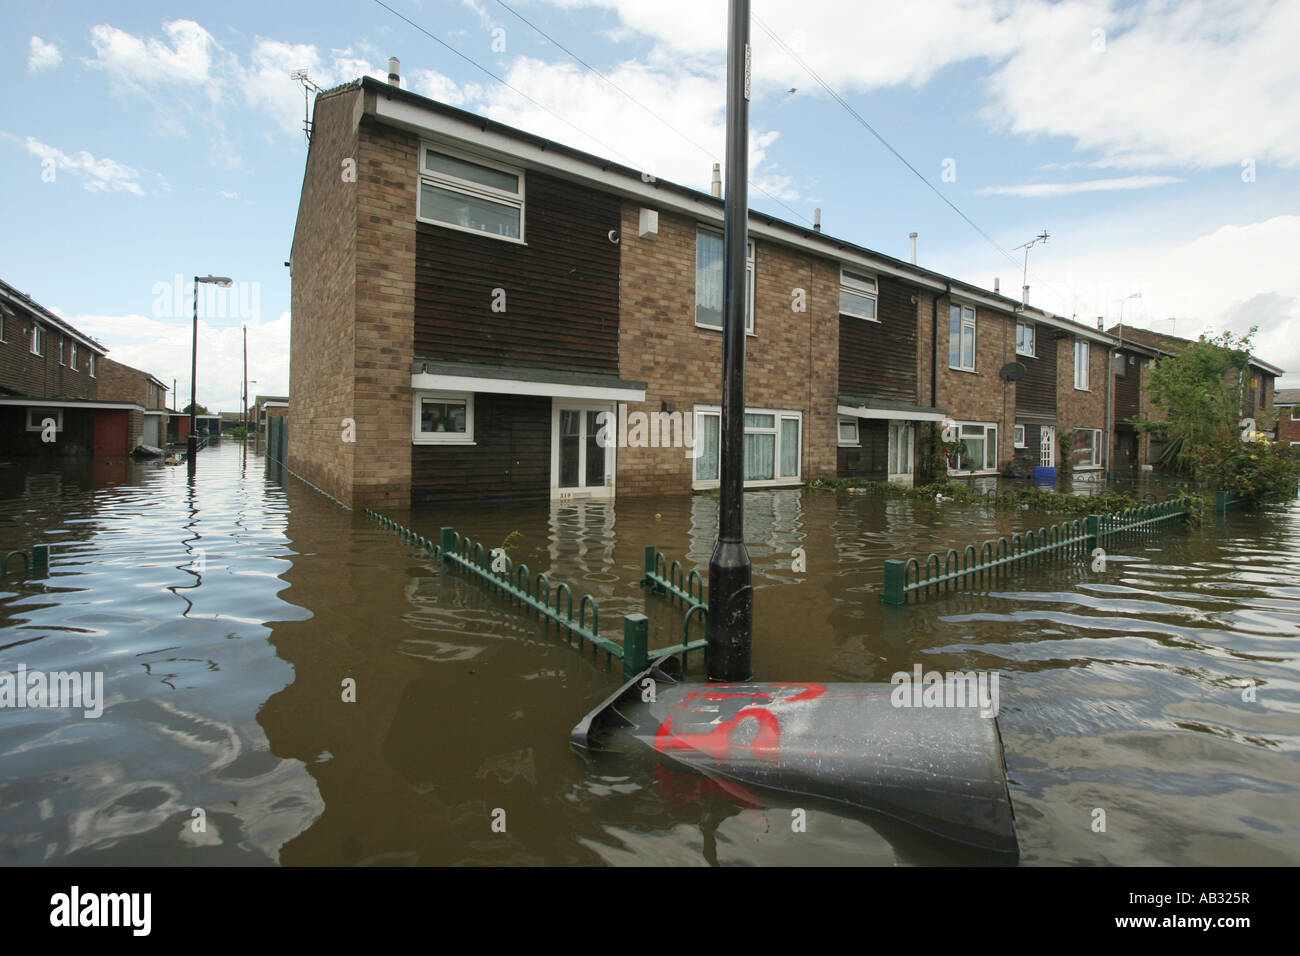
column 912, row 236
column 997, row 286
column 716, row 186
column 1099, row 324
column 817, row 219
column 394, row 71
column 1024, row 295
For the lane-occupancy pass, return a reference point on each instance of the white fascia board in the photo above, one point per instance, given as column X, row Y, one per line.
column 849, row 411
column 71, row 406
column 426, row 382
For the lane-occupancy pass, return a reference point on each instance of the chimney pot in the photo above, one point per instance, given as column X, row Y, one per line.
column 716, row 186
column 394, row 71
column 817, row 219
column 997, row 286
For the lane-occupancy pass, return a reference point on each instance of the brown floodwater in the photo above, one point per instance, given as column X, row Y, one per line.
column 227, row 616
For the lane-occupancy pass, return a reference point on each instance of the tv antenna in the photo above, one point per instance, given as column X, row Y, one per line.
column 308, row 88
column 1024, row 282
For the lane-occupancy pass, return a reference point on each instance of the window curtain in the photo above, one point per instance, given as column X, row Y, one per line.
column 707, row 434
column 789, row 448
column 708, row 279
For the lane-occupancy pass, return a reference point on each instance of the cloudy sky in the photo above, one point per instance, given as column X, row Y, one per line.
column 1157, row 142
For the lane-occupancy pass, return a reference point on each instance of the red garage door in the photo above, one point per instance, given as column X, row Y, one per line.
column 110, row 433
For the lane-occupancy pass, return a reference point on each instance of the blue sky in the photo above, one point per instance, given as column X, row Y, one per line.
column 1158, row 143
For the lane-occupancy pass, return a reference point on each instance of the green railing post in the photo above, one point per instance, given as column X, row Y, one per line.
column 650, row 550
column 448, row 542
column 1094, row 533
column 40, row 558
column 895, row 581
column 636, row 644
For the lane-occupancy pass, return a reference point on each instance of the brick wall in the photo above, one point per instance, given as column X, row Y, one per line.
column 979, row 396
column 791, row 361
column 43, row 376
column 387, row 167
column 321, row 351
column 1077, row 408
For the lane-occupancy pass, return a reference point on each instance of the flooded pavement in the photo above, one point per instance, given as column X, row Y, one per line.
column 227, row 615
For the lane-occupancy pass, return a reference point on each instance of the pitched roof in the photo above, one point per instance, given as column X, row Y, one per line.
column 1287, row 396
column 1173, row 344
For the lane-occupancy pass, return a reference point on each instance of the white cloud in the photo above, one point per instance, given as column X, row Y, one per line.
column 96, row 175
column 1039, row 190
column 186, row 57
column 162, row 348
column 43, row 56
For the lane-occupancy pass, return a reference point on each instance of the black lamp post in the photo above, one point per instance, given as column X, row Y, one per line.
column 192, row 445
column 731, row 594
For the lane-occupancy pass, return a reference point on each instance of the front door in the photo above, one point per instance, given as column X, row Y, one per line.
column 1047, row 455
column 582, row 458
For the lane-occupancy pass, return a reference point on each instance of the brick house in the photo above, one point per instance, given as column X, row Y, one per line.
column 1143, row 346
column 119, row 382
column 52, row 403
column 481, row 313
column 1286, row 403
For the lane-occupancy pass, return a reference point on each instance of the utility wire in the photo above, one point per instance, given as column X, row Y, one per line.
column 871, row 129
column 634, row 100
column 515, row 89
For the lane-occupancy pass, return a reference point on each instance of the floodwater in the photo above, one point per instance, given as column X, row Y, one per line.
column 227, row 615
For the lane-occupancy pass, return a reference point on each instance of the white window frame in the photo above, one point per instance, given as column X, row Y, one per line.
column 90, row 364
column 610, row 448
column 749, row 285
column 1095, row 461
column 72, row 360
column 35, row 345
column 860, row 286
column 966, row 318
column 1018, row 436
column 905, row 434
column 1026, row 333
column 419, row 437
column 1081, row 373
column 857, row 435
column 990, row 447
column 63, row 340
column 1294, row 410
column 779, row 415
column 4, row 317
column 55, row 413
column 468, row 188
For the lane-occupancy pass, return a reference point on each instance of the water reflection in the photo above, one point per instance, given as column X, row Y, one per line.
column 231, row 616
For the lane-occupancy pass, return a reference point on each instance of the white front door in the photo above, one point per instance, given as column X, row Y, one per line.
column 900, row 452
column 1047, row 454
column 582, row 462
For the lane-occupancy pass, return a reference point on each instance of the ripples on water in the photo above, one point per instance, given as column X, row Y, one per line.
column 227, row 615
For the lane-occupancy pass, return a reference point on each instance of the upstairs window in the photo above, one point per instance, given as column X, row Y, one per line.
column 62, row 344
column 858, row 296
column 1024, row 339
column 90, row 365
column 72, row 362
column 708, row 281
column 472, row 195
column 36, row 339
column 961, row 337
column 1082, row 352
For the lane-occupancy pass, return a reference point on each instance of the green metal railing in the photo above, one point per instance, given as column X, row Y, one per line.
column 1225, row 501
column 37, row 563
column 535, row 594
column 994, row 558
column 663, row 578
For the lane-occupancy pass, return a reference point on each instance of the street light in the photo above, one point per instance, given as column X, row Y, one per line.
column 192, row 445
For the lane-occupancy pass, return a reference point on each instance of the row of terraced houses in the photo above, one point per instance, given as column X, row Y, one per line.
column 480, row 313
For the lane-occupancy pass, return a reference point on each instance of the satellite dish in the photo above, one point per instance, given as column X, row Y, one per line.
column 1013, row 371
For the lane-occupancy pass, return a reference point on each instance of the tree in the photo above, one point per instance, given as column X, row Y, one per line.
column 1200, row 390
column 198, row 410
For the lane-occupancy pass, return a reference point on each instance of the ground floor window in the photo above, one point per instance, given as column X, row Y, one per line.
column 36, row 418
column 849, row 432
column 443, row 418
column 979, row 447
column 772, row 450
column 1018, row 436
column 1087, row 448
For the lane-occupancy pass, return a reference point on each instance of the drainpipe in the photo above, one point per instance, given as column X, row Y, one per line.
column 934, row 345
column 1111, row 352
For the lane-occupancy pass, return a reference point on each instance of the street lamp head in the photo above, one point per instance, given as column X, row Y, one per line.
column 224, row 282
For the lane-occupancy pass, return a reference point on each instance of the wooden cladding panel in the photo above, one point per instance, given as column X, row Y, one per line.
column 871, row 460
column 878, row 359
column 560, row 290
column 1128, row 390
column 510, row 460
column 1036, row 392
